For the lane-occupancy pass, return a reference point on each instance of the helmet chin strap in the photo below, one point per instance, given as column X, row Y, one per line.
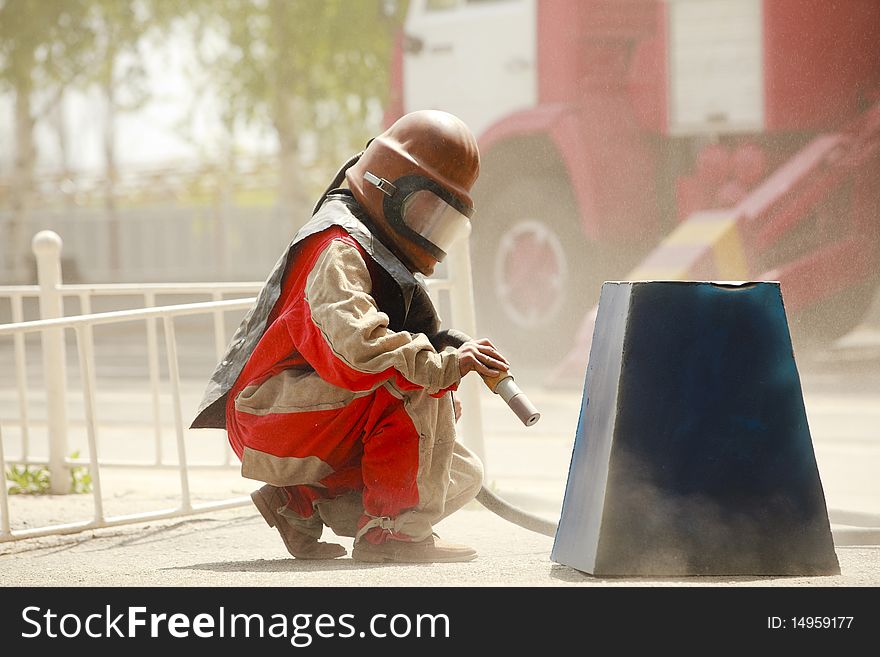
column 390, row 239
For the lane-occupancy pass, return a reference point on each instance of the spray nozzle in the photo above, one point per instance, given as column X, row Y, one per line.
column 506, row 387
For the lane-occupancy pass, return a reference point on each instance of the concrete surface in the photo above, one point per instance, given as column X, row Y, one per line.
column 235, row 548
column 527, row 466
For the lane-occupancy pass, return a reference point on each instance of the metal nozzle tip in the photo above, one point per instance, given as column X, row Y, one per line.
column 524, row 409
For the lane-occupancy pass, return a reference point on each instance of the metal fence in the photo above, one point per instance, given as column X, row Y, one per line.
column 159, row 243
column 452, row 291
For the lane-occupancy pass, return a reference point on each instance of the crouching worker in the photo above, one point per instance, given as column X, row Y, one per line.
column 336, row 390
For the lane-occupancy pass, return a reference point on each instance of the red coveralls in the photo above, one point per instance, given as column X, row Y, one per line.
column 335, row 407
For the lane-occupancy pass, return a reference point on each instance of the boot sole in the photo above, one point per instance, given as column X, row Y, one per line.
column 357, row 555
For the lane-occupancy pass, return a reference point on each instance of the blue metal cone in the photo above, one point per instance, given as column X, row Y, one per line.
column 693, row 455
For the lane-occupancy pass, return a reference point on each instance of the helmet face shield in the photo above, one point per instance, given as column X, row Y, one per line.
column 434, row 219
column 424, row 212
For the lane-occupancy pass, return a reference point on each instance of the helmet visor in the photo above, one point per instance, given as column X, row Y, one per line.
column 434, row 219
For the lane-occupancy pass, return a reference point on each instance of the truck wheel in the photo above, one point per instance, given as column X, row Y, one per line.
column 534, row 276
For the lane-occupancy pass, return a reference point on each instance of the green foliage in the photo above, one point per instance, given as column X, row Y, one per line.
column 28, row 479
column 44, row 44
column 292, row 65
column 80, row 477
column 35, row 480
column 296, row 68
column 302, row 66
column 37, row 42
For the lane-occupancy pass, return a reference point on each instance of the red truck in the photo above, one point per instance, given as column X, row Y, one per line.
column 614, row 132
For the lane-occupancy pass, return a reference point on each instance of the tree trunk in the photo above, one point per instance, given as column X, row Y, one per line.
column 18, row 257
column 291, row 190
column 291, row 193
column 59, row 125
column 224, row 199
column 111, row 173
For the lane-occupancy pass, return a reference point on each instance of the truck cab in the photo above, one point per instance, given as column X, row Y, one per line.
column 605, row 124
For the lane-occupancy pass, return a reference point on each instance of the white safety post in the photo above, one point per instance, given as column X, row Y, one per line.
column 46, row 246
column 86, row 349
column 219, row 351
column 87, row 367
column 153, row 364
column 174, row 377
column 461, row 300
column 4, row 499
column 21, row 377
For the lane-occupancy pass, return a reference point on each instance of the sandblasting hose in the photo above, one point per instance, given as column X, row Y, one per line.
column 514, row 514
column 505, row 387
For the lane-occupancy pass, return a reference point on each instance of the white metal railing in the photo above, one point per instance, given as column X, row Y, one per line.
column 81, row 325
column 51, row 292
column 52, row 327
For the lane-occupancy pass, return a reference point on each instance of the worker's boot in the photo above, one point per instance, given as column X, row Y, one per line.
column 430, row 550
column 300, row 538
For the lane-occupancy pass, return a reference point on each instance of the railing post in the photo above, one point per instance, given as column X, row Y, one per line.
column 46, row 246
column 5, row 529
column 461, row 299
column 21, row 379
column 153, row 364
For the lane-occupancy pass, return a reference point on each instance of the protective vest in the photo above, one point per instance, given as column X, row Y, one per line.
column 407, row 303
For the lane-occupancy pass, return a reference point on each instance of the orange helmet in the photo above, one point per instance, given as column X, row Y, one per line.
column 416, row 177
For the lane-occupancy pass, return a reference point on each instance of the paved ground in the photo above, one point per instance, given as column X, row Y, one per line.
column 528, row 466
column 234, row 548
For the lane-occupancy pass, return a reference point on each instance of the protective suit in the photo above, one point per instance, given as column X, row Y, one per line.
column 336, row 388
